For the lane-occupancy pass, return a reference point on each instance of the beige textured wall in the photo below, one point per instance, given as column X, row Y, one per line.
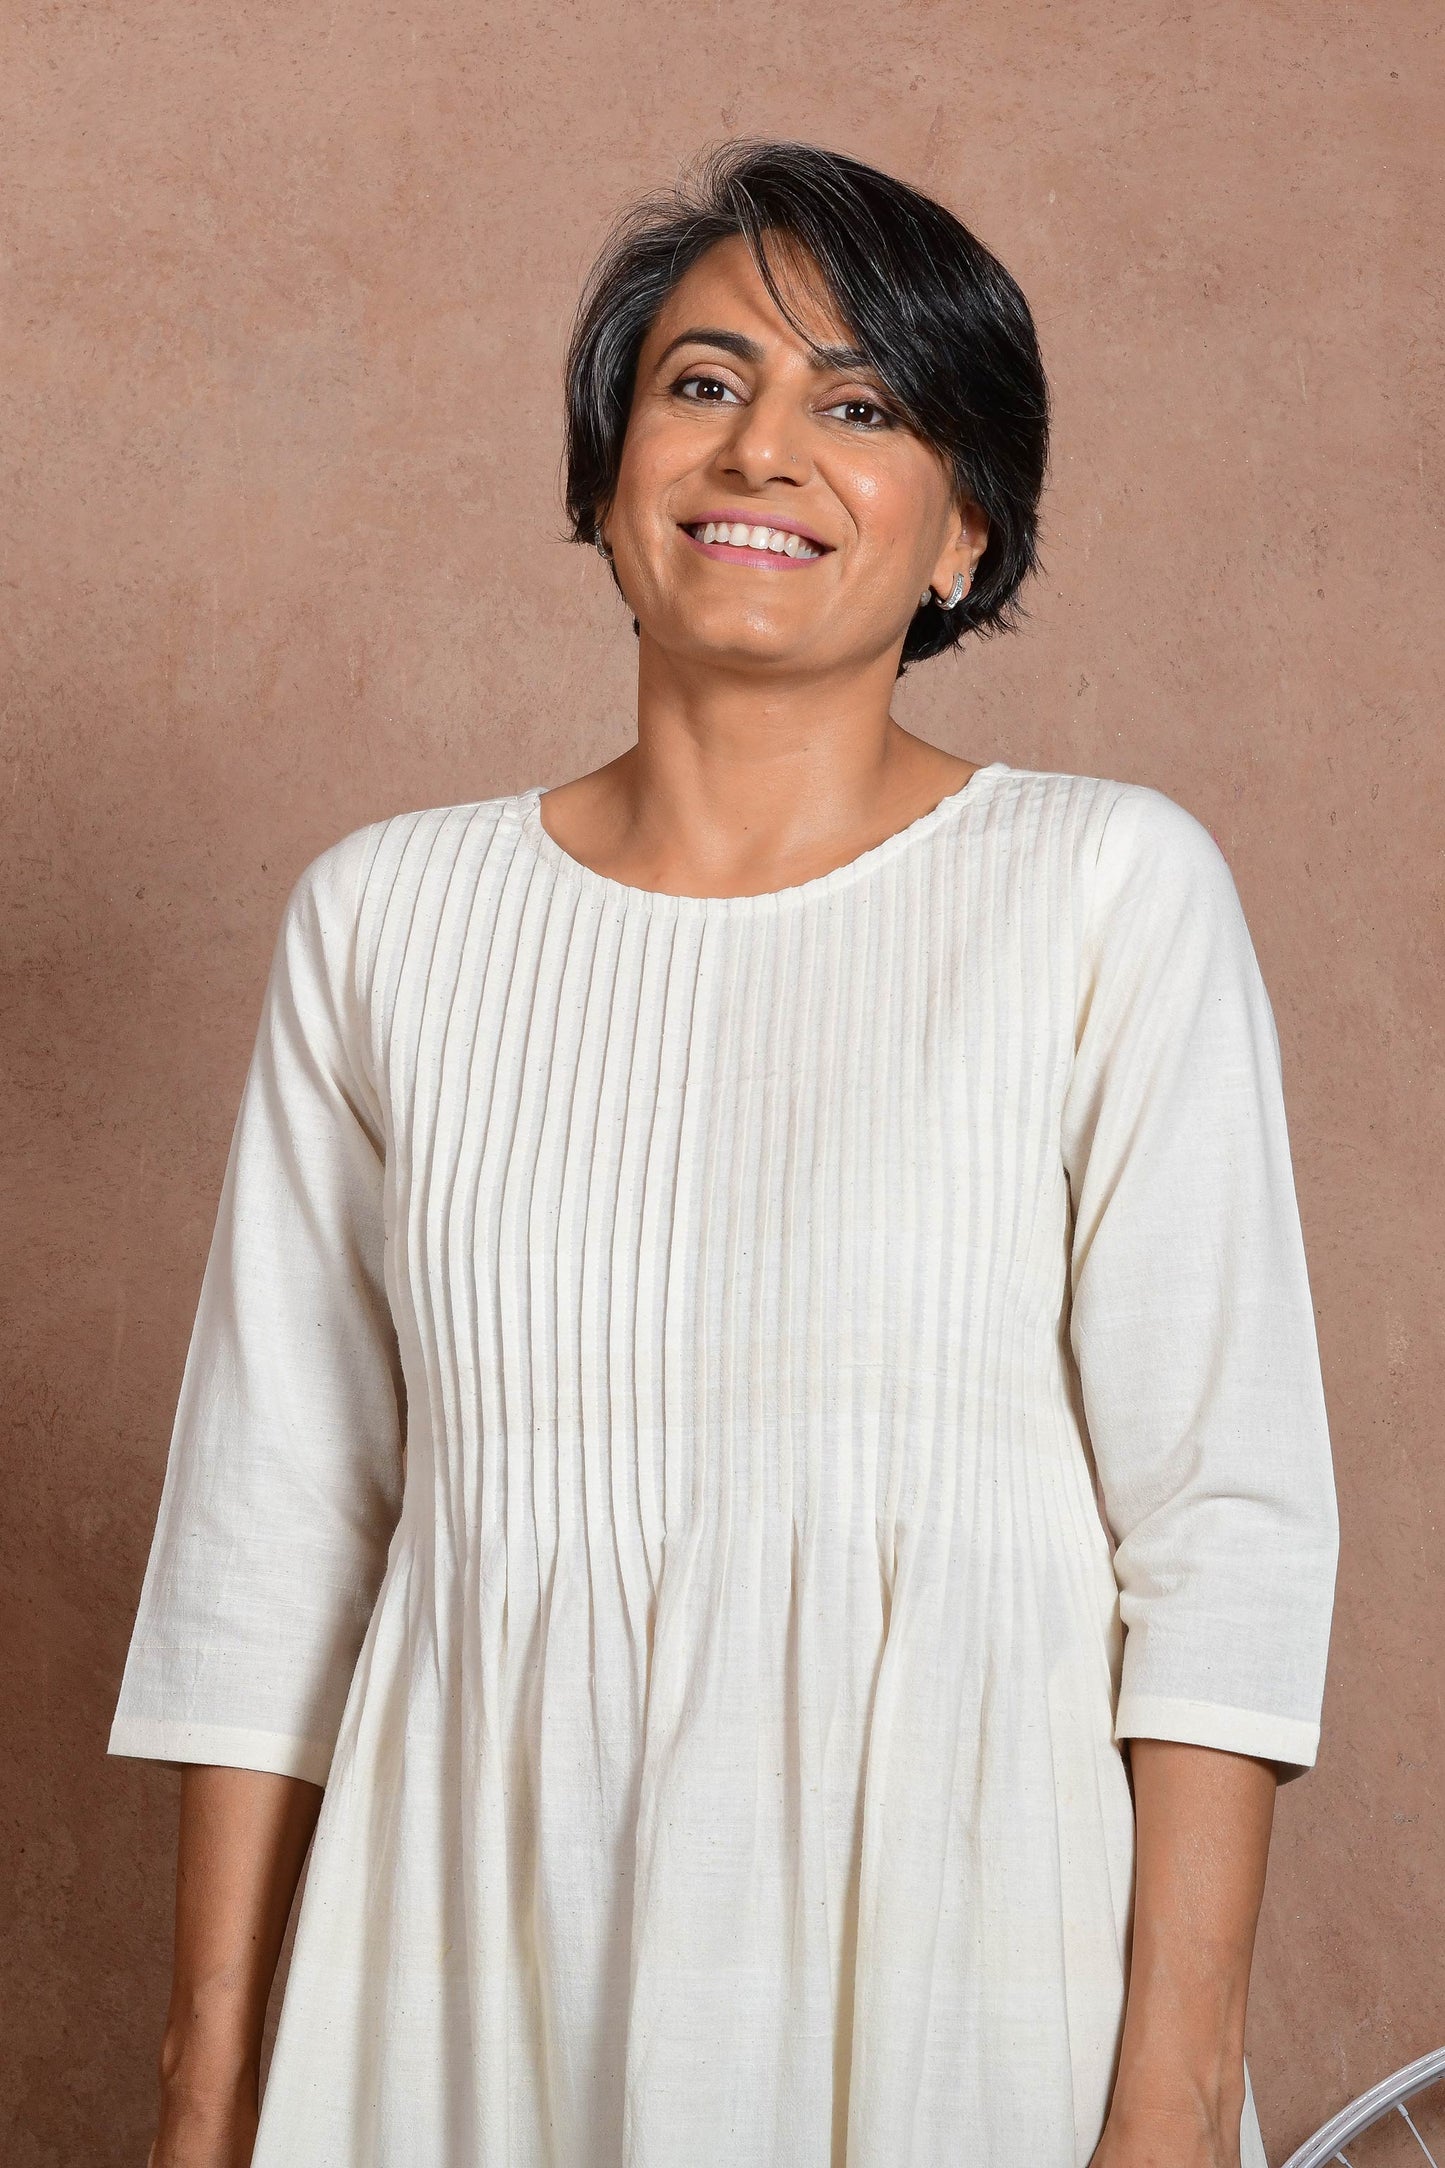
column 286, row 290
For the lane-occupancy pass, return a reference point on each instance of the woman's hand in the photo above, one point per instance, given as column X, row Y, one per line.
column 1203, row 1819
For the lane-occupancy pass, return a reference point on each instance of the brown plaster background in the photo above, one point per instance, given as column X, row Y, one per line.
column 285, row 291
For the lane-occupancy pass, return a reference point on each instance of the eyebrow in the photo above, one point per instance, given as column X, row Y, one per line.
column 734, row 342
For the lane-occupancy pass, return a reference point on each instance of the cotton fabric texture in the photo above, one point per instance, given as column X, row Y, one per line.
column 709, row 1422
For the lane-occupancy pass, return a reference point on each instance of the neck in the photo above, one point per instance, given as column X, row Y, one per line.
column 768, row 754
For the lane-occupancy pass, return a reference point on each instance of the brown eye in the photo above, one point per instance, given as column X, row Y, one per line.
column 703, row 390
column 863, row 413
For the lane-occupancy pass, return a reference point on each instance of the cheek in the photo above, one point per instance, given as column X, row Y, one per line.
column 633, row 491
column 655, row 459
column 893, row 509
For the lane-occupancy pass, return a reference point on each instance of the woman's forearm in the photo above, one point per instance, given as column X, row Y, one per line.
column 1203, row 1820
column 242, row 1842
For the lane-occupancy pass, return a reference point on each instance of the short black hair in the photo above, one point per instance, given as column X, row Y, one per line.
column 937, row 316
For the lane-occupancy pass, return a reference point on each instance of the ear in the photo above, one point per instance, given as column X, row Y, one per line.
column 966, row 542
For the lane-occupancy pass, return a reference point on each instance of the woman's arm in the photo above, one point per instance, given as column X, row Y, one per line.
column 1203, row 1818
column 243, row 1838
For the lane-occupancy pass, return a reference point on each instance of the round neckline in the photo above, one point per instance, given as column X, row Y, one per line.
column 822, row 884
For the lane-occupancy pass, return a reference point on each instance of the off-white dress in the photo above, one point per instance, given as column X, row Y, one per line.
column 635, row 1451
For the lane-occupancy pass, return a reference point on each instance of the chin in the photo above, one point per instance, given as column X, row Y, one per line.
column 745, row 651
column 740, row 640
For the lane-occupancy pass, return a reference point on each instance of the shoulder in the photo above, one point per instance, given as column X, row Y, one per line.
column 391, row 868
column 1143, row 821
column 363, row 869
column 1122, row 839
column 1155, row 850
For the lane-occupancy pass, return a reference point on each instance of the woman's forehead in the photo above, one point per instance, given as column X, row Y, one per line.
column 724, row 289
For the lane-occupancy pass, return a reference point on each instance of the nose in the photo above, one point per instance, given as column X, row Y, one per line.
column 765, row 443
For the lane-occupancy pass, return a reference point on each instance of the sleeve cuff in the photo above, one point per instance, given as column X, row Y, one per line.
column 1287, row 1740
column 273, row 1751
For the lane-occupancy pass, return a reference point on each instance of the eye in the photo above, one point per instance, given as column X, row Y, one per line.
column 703, row 390
column 862, row 413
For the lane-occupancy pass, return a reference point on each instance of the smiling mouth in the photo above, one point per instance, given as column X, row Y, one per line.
column 740, row 543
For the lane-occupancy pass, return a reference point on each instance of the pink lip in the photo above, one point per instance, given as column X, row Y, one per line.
column 731, row 553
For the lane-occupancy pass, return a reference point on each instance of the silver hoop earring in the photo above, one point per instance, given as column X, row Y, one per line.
column 604, row 550
column 955, row 593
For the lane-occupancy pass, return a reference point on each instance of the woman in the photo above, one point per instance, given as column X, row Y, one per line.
column 756, row 1369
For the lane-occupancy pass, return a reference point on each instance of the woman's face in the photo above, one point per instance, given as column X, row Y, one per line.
column 735, row 423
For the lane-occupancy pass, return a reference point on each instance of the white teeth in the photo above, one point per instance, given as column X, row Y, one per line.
column 778, row 541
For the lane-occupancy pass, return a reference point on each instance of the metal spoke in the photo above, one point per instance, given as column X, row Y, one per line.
column 1370, row 2108
column 1418, row 2139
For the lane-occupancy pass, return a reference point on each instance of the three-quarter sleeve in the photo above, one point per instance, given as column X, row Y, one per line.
column 1191, row 1321
column 283, row 1483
